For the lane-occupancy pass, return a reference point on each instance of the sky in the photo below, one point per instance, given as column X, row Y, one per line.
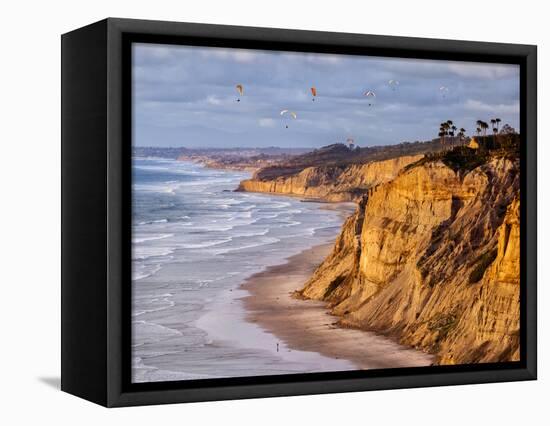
column 187, row 96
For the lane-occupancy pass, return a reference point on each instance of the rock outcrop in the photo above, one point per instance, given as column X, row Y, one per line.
column 331, row 183
column 432, row 258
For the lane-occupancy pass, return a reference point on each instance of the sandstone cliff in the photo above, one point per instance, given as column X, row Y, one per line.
column 331, row 183
column 432, row 258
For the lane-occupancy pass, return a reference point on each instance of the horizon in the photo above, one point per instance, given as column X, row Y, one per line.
column 293, row 147
column 278, row 147
column 186, row 97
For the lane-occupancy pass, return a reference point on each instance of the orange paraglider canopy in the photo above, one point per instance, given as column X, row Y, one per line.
column 240, row 89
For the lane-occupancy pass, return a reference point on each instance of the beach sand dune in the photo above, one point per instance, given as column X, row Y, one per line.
column 308, row 326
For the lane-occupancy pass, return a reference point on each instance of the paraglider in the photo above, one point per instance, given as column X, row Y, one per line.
column 290, row 113
column 444, row 91
column 393, row 84
column 371, row 95
column 240, row 89
column 313, row 93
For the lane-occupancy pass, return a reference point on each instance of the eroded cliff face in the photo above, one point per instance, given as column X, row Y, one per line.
column 331, row 183
column 432, row 258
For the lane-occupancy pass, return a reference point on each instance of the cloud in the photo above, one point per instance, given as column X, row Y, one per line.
column 244, row 56
column 213, row 100
column 186, row 96
column 484, row 71
column 475, row 105
column 237, row 55
column 266, row 122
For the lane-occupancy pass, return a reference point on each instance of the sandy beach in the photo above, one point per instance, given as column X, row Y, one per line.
column 307, row 325
column 192, row 320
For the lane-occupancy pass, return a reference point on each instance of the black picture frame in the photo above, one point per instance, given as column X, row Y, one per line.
column 96, row 177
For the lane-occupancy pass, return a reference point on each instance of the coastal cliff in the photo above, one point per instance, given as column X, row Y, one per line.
column 430, row 257
column 330, row 183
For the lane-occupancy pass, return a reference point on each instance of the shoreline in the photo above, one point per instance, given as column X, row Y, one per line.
column 218, row 322
column 196, row 327
column 274, row 309
column 307, row 325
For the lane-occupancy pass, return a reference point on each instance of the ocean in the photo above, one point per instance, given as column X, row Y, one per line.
column 194, row 241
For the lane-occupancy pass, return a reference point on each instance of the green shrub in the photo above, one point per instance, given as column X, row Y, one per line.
column 464, row 159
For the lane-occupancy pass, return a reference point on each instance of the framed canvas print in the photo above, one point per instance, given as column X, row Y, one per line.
column 252, row 212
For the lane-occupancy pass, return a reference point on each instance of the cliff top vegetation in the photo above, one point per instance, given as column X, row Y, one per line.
column 463, row 158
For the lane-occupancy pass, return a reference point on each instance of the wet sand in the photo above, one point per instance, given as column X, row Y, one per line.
column 307, row 325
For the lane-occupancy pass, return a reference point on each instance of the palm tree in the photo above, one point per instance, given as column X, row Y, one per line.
column 444, row 130
column 450, row 125
column 441, row 135
column 495, row 130
column 484, row 126
column 479, row 123
column 447, row 126
column 497, row 121
column 461, row 134
column 453, row 130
